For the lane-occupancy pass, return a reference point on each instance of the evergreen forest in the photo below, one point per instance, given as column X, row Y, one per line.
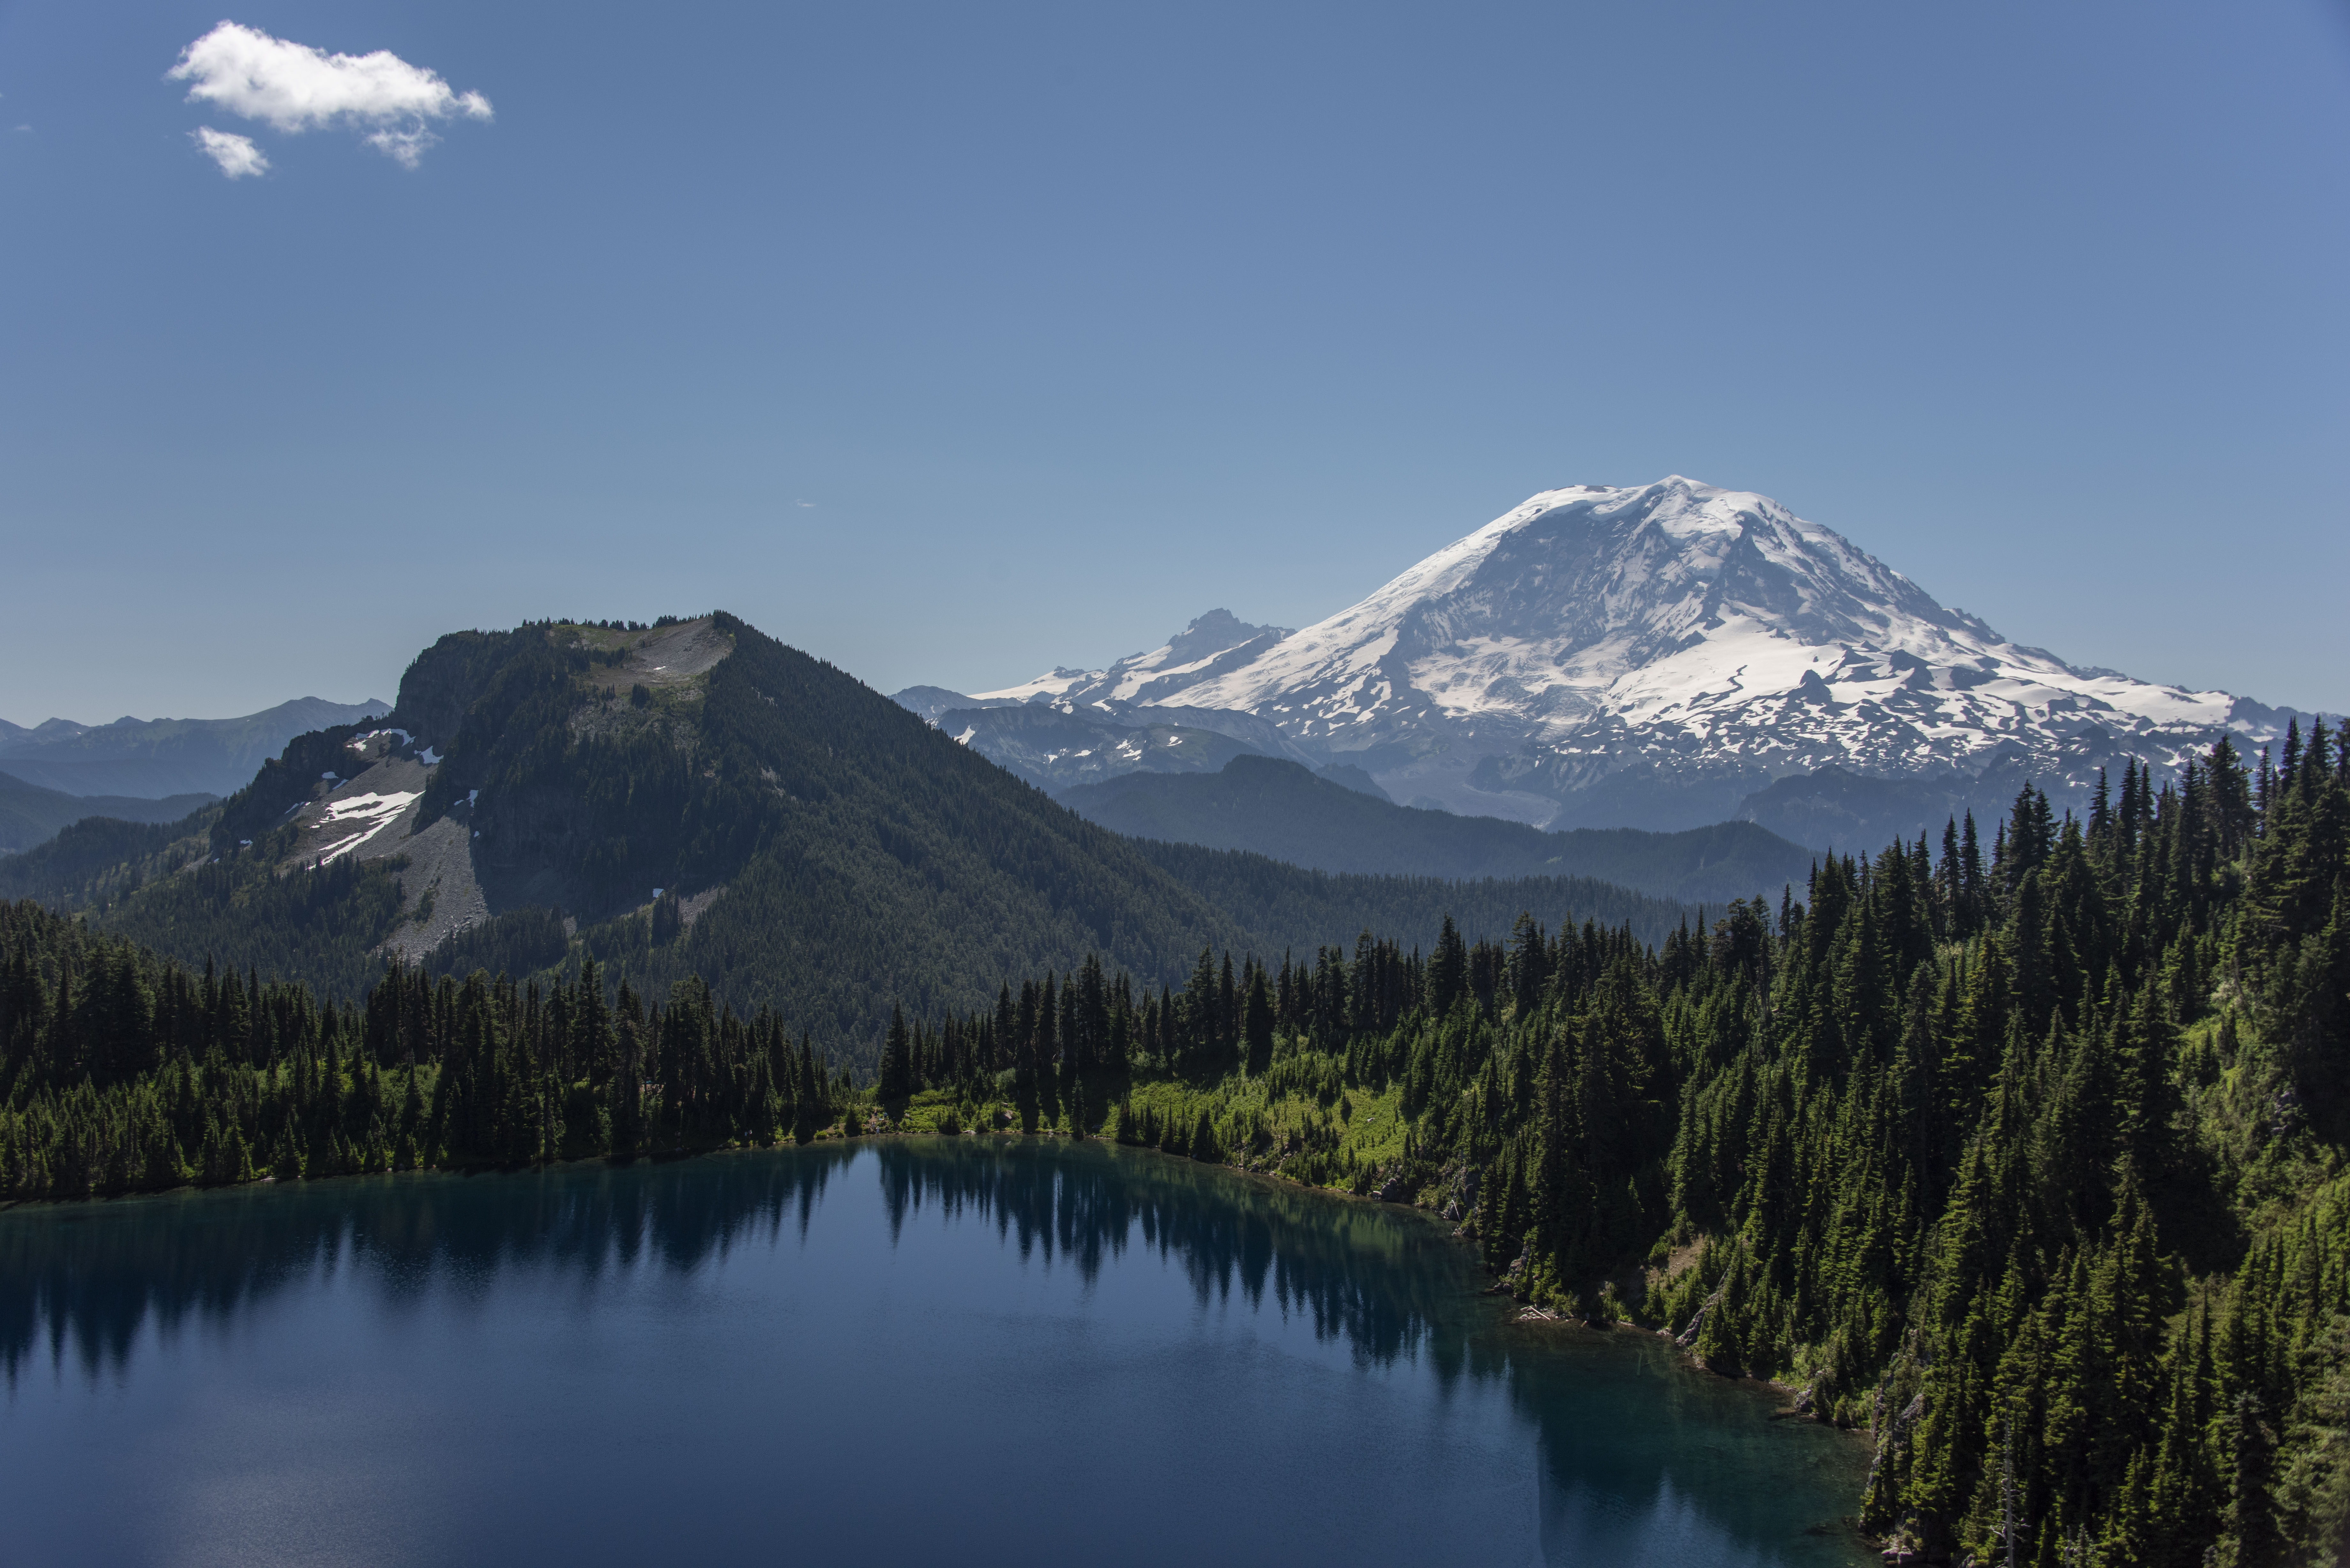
column 2025, row 1160
column 859, row 860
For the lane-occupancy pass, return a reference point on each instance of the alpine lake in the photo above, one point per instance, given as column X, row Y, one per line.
column 976, row 1349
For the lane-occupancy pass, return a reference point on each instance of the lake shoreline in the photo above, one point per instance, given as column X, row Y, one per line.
column 1506, row 1312
column 618, row 1337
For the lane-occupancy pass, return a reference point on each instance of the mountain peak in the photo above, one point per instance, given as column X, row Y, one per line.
column 1697, row 638
column 1212, row 643
column 1214, row 632
column 1560, row 597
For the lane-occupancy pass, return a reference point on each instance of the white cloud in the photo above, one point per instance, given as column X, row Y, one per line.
column 293, row 87
column 236, row 155
column 402, row 147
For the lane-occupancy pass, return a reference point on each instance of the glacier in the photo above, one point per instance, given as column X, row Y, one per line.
column 1649, row 656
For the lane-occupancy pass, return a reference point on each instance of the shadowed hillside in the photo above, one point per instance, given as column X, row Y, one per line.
column 1279, row 809
column 695, row 797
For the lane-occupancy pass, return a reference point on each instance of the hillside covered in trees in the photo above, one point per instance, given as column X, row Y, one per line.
column 2028, row 1159
column 694, row 798
column 2032, row 1161
column 1276, row 808
column 31, row 815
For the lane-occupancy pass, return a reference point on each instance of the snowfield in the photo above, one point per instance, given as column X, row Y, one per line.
column 1597, row 627
column 369, row 814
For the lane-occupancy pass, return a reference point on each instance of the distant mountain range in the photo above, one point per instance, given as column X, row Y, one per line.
column 1277, row 809
column 1661, row 656
column 159, row 758
column 30, row 815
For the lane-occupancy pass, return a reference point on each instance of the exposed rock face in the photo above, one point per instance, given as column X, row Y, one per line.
column 448, row 677
column 370, row 808
column 542, row 739
column 458, row 781
column 439, row 893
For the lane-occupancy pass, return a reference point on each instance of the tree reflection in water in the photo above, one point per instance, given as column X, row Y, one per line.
column 83, row 1280
column 1640, row 1460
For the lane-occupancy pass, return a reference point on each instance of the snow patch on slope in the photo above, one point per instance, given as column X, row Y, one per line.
column 371, row 813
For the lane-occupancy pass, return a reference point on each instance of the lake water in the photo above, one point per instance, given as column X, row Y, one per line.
column 951, row 1350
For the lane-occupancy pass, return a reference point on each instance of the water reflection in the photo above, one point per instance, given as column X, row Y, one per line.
column 92, row 1276
column 1639, row 1461
column 83, row 1280
column 1386, row 1281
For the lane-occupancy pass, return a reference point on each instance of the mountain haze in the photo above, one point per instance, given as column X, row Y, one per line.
column 1280, row 810
column 154, row 758
column 31, row 815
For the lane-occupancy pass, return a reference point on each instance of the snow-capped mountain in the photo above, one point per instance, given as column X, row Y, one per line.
column 1215, row 644
column 1650, row 655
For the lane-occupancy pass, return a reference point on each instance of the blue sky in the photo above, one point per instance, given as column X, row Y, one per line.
column 950, row 342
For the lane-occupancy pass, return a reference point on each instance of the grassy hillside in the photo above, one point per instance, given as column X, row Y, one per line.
column 1279, row 809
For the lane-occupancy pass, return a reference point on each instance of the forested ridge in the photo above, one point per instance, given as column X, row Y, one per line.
column 1277, row 809
column 2031, row 1161
column 2028, row 1159
column 859, row 859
